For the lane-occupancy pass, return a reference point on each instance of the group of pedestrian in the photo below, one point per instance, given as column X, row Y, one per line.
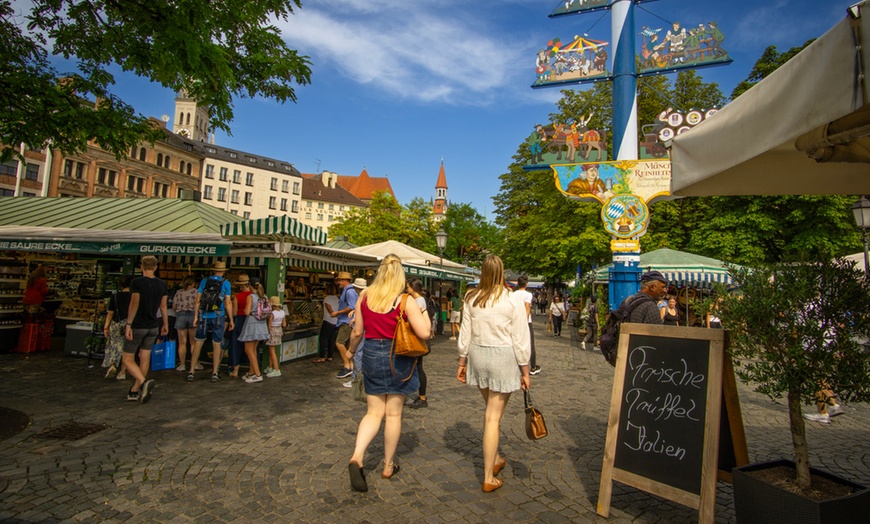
column 494, row 352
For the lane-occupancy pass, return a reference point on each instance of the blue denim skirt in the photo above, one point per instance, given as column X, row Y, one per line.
column 379, row 379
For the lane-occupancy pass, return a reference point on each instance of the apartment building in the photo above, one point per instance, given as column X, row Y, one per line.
column 250, row 185
column 324, row 201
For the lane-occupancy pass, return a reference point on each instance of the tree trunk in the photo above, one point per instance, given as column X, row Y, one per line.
column 799, row 440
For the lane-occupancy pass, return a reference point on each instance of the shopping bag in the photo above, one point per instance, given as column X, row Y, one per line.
column 163, row 354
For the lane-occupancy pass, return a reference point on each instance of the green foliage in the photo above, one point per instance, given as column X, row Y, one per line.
column 214, row 50
column 469, row 236
column 796, row 329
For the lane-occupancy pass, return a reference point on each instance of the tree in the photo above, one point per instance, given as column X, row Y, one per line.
column 377, row 223
column 796, row 329
column 469, row 235
column 417, row 226
column 214, row 51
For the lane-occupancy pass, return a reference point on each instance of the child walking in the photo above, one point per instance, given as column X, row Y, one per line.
column 277, row 323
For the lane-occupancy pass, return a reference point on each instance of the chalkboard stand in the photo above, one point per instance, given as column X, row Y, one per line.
column 704, row 350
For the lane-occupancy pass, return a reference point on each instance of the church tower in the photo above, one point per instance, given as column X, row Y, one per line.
column 440, row 207
column 191, row 119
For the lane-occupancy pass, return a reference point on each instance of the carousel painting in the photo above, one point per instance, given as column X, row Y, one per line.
column 680, row 47
column 578, row 61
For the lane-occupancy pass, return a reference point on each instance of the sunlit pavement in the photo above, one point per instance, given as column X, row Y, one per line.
column 277, row 451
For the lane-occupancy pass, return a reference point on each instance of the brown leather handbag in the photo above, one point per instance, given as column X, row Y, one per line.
column 406, row 343
column 535, row 426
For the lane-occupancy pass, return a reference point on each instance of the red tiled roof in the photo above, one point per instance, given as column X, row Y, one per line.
column 364, row 186
column 442, row 180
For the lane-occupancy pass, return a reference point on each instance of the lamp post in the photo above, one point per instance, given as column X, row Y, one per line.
column 441, row 242
column 861, row 210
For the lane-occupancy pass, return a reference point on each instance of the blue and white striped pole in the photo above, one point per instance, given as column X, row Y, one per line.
column 625, row 273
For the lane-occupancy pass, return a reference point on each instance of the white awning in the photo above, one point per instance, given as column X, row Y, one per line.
column 766, row 142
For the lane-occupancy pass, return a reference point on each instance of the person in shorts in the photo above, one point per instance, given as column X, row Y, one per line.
column 346, row 304
column 147, row 301
column 212, row 322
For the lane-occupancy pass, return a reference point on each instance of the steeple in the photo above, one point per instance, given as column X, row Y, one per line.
column 440, row 206
column 191, row 119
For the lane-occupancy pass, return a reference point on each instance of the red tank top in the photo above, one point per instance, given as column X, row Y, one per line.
column 379, row 325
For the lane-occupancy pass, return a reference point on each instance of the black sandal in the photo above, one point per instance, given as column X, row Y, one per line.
column 357, row 477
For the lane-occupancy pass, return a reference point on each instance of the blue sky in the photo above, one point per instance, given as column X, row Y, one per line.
column 399, row 85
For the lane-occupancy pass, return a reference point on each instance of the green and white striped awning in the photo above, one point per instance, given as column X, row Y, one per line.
column 274, row 229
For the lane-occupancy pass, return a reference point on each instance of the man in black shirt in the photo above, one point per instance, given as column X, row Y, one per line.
column 148, row 297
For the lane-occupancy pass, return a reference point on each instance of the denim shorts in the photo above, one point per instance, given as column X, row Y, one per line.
column 184, row 320
column 379, row 378
column 142, row 338
column 215, row 326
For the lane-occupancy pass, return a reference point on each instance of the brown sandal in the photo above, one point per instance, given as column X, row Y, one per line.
column 394, row 468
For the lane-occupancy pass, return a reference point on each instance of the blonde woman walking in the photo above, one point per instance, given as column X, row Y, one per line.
column 388, row 378
column 494, row 352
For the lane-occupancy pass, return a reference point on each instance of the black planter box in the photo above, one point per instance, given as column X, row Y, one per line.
column 758, row 502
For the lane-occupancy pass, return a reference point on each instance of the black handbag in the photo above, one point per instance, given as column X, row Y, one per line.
column 535, row 426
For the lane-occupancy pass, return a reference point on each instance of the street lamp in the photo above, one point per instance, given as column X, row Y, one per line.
column 441, row 242
column 861, row 210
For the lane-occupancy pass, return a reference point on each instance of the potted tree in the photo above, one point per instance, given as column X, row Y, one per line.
column 796, row 330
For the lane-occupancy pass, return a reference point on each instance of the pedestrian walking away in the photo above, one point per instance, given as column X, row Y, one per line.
column 388, row 378
column 346, row 304
column 420, row 295
column 147, row 300
column 494, row 352
column 527, row 299
column 213, row 311
column 255, row 331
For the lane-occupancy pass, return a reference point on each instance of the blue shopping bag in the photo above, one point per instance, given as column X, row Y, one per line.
column 163, row 354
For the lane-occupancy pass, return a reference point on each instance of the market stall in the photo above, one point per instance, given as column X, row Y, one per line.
column 84, row 242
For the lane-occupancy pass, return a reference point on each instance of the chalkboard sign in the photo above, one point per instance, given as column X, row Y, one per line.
column 667, row 408
column 661, row 420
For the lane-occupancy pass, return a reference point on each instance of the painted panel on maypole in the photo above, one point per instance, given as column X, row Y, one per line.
column 579, row 61
column 693, row 46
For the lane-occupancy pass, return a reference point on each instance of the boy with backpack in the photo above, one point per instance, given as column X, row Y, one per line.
column 213, row 308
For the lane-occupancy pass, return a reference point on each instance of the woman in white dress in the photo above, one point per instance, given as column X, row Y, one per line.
column 494, row 352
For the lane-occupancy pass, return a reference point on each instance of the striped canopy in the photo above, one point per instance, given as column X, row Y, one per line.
column 680, row 268
column 274, row 229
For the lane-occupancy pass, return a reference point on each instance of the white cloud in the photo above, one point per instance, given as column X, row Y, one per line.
column 431, row 52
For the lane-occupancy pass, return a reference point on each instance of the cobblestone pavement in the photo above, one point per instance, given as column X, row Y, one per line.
column 277, row 451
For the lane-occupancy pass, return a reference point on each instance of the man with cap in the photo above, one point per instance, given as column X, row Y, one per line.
column 346, row 304
column 653, row 287
column 210, row 317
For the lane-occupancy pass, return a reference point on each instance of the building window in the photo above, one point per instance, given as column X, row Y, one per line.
column 9, row 192
column 329, row 218
column 320, row 205
column 331, row 207
column 188, row 168
column 11, row 168
column 284, row 184
column 206, row 192
column 341, row 208
column 308, row 216
column 209, row 171
column 135, row 183
column 246, row 215
column 181, row 166
column 283, row 204
column 272, row 202
column 142, row 153
column 107, row 177
column 295, row 207
column 234, row 212
column 166, row 162
column 307, row 203
column 249, row 179
column 71, row 169
column 234, row 196
column 161, row 190
column 237, row 176
column 249, row 198
column 295, row 188
column 233, row 155
column 223, row 174
column 31, row 172
column 222, row 194
column 320, row 217
column 159, row 159
column 274, row 185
